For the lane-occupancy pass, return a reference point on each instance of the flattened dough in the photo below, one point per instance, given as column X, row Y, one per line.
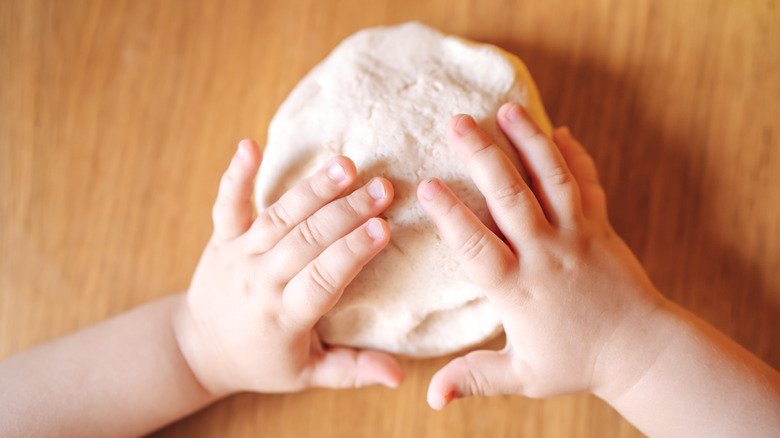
column 383, row 98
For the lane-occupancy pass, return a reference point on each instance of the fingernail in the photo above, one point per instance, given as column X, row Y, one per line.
column 376, row 189
column 241, row 153
column 390, row 384
column 513, row 113
column 431, row 189
column 449, row 397
column 374, row 229
column 464, row 125
column 336, row 172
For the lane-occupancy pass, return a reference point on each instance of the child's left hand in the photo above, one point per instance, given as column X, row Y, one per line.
column 247, row 323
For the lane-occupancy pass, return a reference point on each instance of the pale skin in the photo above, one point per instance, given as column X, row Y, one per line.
column 579, row 311
column 245, row 324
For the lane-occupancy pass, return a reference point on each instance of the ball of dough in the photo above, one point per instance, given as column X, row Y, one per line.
column 383, row 98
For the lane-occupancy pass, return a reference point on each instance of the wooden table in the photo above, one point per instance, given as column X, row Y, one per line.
column 118, row 117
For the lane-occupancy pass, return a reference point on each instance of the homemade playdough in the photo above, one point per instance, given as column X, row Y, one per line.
column 383, row 98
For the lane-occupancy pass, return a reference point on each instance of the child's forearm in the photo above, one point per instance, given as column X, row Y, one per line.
column 123, row 377
column 678, row 376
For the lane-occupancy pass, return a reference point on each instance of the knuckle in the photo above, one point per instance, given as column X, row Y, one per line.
column 499, row 274
column 475, row 380
column 351, row 378
column 475, row 246
column 319, row 190
column 354, row 249
column 350, row 206
column 558, row 175
column 262, row 223
column 322, row 281
column 492, row 272
column 450, row 213
column 539, row 138
column 278, row 216
column 485, row 151
column 310, row 233
column 510, row 195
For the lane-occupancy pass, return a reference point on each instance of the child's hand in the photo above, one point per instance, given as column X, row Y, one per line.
column 261, row 286
column 565, row 285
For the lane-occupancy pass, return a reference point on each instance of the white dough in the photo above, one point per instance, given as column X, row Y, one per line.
column 383, row 98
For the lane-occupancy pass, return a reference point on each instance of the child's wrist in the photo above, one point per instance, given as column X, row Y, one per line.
column 633, row 348
column 185, row 330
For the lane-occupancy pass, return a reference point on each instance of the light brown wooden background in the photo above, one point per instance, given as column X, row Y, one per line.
column 118, row 117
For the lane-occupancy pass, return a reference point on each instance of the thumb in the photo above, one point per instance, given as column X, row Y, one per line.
column 232, row 212
column 343, row 367
column 480, row 372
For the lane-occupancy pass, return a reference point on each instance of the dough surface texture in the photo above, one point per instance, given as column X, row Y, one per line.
column 383, row 98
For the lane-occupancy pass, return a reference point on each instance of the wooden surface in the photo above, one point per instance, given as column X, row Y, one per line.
column 118, row 117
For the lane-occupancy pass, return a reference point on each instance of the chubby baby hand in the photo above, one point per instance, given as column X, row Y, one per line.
column 247, row 323
column 565, row 285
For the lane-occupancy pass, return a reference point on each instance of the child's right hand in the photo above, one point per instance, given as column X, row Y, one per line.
column 566, row 286
column 247, row 323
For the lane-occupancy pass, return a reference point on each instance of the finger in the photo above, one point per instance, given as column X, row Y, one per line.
column 480, row 372
column 484, row 257
column 315, row 290
column 342, row 367
column 512, row 204
column 300, row 202
column 232, row 212
column 553, row 182
column 332, row 222
column 583, row 168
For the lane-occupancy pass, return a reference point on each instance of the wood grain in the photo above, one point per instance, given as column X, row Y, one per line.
column 118, row 117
